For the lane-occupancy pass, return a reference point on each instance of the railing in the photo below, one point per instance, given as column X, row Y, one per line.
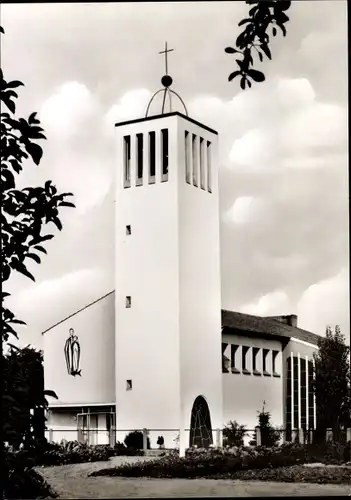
column 170, row 437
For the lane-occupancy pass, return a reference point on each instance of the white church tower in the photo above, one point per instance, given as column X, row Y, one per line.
column 168, row 288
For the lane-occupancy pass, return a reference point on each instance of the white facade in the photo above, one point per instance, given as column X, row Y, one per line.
column 168, row 340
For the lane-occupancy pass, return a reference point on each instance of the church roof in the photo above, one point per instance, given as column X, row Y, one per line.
column 241, row 323
column 267, row 326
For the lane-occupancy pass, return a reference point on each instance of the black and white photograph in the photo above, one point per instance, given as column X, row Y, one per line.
column 175, row 249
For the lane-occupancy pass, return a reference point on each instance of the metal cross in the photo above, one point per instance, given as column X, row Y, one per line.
column 165, row 52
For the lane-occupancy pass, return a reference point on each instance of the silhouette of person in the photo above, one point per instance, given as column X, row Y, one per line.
column 72, row 354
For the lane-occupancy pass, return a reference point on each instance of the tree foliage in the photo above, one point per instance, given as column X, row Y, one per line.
column 332, row 381
column 24, row 398
column 264, row 18
column 25, row 212
column 24, row 216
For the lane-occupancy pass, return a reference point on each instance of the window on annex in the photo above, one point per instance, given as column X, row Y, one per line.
column 274, row 363
column 139, row 162
column 244, row 364
column 288, row 401
column 187, row 157
column 225, row 359
column 233, row 351
column 255, row 351
column 165, row 152
column 128, row 230
column 303, row 393
column 310, row 402
column 126, row 161
column 265, row 371
column 129, row 385
column 152, row 157
column 128, row 301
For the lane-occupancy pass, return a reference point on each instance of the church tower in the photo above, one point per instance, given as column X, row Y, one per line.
column 168, row 288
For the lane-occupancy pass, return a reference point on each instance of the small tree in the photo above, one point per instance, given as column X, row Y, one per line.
column 331, row 383
column 269, row 435
column 233, row 434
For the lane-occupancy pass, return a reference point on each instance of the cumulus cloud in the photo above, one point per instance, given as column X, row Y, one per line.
column 68, row 109
column 44, row 303
column 245, row 209
column 271, row 304
column 132, row 105
column 326, row 303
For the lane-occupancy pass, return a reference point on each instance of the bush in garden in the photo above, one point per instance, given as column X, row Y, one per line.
column 233, row 434
column 120, row 449
column 135, row 440
column 20, row 480
column 212, row 462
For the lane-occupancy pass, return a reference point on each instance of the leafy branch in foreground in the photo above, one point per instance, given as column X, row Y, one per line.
column 25, row 212
column 254, row 39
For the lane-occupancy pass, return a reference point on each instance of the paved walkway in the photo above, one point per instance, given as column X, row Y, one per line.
column 71, row 481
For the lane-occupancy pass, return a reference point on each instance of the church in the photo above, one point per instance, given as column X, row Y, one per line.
column 158, row 352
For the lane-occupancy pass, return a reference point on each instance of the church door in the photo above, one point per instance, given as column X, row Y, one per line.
column 200, row 424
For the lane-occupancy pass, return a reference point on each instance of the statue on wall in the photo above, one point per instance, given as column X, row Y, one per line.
column 72, row 354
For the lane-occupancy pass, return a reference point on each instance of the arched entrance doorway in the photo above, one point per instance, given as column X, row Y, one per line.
column 200, row 424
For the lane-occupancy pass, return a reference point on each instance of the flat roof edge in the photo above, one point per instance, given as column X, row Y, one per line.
column 166, row 115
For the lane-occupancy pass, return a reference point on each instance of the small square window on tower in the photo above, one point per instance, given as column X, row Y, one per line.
column 128, row 301
column 129, row 385
column 128, row 230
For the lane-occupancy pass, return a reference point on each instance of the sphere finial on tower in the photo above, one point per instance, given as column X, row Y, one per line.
column 166, row 81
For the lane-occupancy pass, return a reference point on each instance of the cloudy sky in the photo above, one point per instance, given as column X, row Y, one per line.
column 283, row 146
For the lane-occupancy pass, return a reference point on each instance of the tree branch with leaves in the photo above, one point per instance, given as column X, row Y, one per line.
column 26, row 212
column 255, row 38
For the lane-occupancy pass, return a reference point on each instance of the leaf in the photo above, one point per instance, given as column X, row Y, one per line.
column 14, row 84
column 57, row 223
column 282, row 27
column 40, row 248
column 68, row 204
column 34, row 257
column 266, row 50
column 32, row 118
column 244, row 21
column 274, row 31
column 233, row 75
column 258, row 76
column 35, row 151
column 18, row 322
column 2, row 30
column 52, row 394
column 283, row 5
column 10, row 104
column 282, row 18
column 46, row 237
column 260, row 56
column 242, row 82
column 8, row 178
column 230, row 50
column 21, row 268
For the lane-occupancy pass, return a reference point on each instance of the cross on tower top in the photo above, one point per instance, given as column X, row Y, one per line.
column 165, row 52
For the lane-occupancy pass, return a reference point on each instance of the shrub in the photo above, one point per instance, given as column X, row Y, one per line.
column 135, row 440
column 160, row 441
column 120, row 449
column 233, row 434
column 20, row 480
